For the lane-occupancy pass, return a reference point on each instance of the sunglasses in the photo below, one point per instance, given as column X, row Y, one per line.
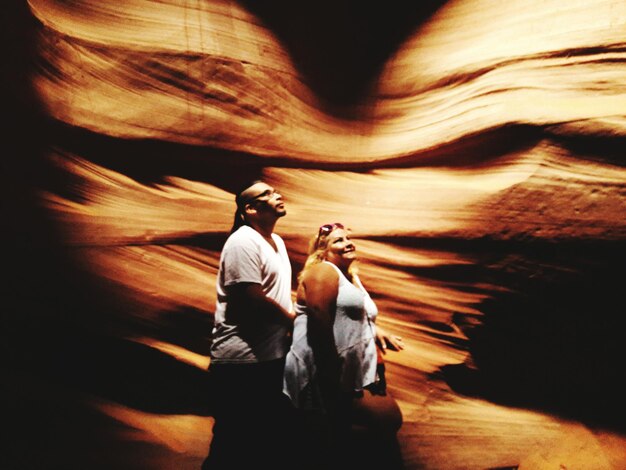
column 269, row 193
column 327, row 228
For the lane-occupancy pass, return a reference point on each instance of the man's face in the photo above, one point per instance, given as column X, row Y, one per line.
column 265, row 199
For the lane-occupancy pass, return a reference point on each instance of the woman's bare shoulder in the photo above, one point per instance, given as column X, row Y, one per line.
column 321, row 272
column 321, row 284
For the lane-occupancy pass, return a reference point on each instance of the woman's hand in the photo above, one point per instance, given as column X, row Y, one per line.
column 386, row 341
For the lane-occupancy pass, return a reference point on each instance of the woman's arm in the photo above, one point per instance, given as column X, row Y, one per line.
column 320, row 289
column 385, row 341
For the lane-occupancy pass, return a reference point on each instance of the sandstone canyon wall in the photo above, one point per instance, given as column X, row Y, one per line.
column 476, row 148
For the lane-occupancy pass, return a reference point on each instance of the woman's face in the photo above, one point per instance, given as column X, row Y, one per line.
column 339, row 248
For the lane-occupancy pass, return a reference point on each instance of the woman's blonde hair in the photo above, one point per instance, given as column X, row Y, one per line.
column 317, row 249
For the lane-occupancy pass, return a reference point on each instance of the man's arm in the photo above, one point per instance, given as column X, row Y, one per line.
column 249, row 297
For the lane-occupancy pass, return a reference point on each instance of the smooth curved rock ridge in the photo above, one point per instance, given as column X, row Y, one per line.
column 537, row 194
column 214, row 90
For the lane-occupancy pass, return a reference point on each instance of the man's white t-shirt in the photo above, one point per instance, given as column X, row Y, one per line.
column 248, row 257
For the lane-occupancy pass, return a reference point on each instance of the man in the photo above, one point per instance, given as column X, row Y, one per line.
column 253, row 319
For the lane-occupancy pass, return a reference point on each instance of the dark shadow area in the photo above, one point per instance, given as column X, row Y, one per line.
column 147, row 161
column 208, row 241
column 474, row 151
column 340, row 47
column 34, row 267
column 454, row 275
column 41, row 295
column 52, row 426
column 58, row 347
column 606, row 149
column 555, row 341
column 186, row 327
column 150, row 162
column 128, row 373
column 115, row 369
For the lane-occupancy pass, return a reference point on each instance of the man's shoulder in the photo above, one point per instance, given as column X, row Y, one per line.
column 243, row 236
column 278, row 239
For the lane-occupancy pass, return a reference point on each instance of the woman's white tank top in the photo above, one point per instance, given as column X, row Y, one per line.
column 354, row 335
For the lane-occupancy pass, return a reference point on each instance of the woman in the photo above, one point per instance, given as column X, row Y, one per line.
column 333, row 369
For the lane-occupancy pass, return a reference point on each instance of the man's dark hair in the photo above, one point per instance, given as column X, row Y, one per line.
column 241, row 202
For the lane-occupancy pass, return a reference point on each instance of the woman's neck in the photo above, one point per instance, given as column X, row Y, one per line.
column 345, row 269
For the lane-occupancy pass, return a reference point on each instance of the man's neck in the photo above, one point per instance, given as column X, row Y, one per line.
column 264, row 228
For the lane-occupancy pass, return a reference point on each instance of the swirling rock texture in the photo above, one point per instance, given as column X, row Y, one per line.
column 475, row 147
